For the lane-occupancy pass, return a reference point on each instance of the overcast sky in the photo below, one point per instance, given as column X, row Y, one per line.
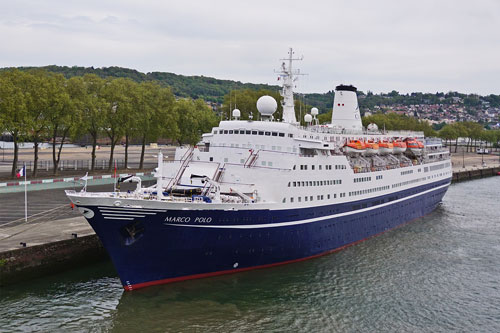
column 378, row 45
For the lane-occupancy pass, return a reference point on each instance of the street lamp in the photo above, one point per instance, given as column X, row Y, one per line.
column 482, row 155
column 463, row 158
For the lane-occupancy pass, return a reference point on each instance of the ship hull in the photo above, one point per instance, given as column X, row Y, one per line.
column 173, row 245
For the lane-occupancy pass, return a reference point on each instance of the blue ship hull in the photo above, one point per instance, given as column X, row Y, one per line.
column 168, row 246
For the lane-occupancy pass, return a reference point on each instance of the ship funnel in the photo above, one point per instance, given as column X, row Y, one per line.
column 346, row 109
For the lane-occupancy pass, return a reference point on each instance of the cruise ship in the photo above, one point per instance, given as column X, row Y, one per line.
column 257, row 193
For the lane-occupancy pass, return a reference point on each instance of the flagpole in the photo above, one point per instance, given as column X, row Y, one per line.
column 25, row 196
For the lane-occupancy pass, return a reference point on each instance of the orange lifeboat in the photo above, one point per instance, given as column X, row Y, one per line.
column 399, row 147
column 355, row 147
column 414, row 146
column 385, row 147
column 372, row 148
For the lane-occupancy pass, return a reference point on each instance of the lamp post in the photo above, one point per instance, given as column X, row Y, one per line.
column 463, row 158
column 482, row 155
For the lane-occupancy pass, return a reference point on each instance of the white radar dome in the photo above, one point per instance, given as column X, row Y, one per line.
column 308, row 118
column 372, row 127
column 236, row 113
column 266, row 105
column 314, row 111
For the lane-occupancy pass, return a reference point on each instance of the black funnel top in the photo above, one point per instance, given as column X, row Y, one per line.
column 346, row 88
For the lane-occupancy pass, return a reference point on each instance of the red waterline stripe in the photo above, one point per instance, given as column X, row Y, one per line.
column 13, row 184
column 237, row 270
column 58, row 180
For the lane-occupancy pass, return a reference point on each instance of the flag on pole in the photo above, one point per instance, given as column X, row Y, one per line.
column 21, row 172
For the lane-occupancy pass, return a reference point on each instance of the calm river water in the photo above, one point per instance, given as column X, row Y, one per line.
column 440, row 273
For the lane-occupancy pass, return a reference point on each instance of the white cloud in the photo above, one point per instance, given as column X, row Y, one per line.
column 375, row 45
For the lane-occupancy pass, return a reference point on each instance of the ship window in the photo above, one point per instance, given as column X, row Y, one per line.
column 269, row 163
column 225, row 131
column 319, row 166
column 294, row 184
column 310, row 183
column 263, row 163
column 268, row 133
column 291, row 199
column 275, row 134
column 254, row 132
column 312, row 167
column 328, row 196
column 294, row 167
column 242, row 160
column 211, row 159
column 230, row 131
column 290, row 135
column 281, row 134
column 334, row 195
column 302, row 183
column 236, row 132
column 261, row 133
column 215, row 132
column 273, row 148
column 225, row 159
column 318, row 197
column 299, row 199
column 311, row 198
column 305, row 198
column 284, row 200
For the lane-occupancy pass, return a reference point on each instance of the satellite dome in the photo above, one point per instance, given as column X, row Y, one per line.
column 308, row 118
column 266, row 105
column 314, row 111
column 372, row 127
column 236, row 113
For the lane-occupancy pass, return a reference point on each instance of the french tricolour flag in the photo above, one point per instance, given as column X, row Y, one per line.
column 21, row 172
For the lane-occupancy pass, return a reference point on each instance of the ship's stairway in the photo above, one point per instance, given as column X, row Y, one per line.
column 184, row 163
column 252, row 159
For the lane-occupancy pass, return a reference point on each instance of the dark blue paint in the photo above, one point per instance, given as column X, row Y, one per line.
column 156, row 251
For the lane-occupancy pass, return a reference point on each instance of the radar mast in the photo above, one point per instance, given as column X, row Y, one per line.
column 288, row 76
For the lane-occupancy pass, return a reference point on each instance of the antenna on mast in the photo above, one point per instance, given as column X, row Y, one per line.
column 289, row 76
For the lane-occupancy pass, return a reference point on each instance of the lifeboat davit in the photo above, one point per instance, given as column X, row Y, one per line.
column 355, row 147
column 385, row 147
column 414, row 146
column 372, row 148
column 399, row 147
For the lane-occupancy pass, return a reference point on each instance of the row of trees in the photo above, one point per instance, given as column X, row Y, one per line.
column 474, row 133
column 38, row 105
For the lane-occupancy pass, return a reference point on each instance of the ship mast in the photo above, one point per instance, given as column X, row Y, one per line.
column 289, row 76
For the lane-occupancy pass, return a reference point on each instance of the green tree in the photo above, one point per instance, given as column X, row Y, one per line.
column 119, row 105
column 195, row 117
column 157, row 117
column 14, row 114
column 93, row 109
column 64, row 116
column 448, row 133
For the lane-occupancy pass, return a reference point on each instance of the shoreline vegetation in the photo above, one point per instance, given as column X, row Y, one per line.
column 116, row 105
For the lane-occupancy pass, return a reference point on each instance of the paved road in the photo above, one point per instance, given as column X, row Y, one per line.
column 82, row 155
column 51, row 204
